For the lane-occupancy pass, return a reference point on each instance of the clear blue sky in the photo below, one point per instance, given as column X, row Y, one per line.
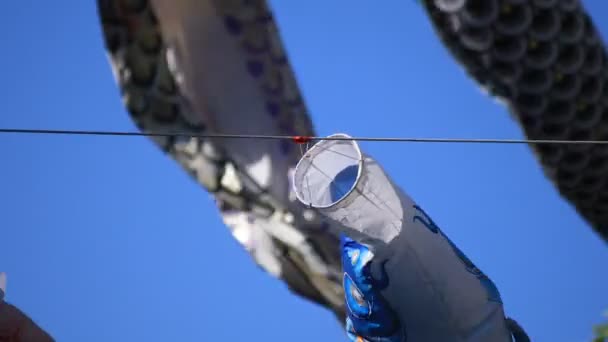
column 102, row 236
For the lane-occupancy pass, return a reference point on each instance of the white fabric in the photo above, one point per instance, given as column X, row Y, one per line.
column 434, row 295
column 258, row 242
column 221, row 91
column 362, row 209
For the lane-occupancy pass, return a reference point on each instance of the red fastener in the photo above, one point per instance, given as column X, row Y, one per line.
column 299, row 139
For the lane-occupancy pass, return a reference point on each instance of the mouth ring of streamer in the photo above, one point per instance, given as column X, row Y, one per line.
column 328, row 172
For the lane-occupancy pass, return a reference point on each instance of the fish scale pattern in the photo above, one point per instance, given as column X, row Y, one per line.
column 546, row 61
column 141, row 63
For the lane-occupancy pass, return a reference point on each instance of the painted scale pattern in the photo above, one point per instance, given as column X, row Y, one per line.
column 546, row 61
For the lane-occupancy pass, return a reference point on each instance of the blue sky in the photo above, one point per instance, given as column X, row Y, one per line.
column 103, row 237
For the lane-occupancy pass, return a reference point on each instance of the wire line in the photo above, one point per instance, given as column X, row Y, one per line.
column 298, row 138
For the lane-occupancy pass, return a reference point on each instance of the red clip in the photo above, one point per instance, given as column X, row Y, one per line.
column 299, row 139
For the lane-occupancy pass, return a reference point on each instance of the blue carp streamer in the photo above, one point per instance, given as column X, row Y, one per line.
column 369, row 316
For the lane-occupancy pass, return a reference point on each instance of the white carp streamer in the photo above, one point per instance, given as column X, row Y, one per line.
column 438, row 294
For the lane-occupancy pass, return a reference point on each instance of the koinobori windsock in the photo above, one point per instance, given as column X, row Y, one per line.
column 218, row 66
column 546, row 60
column 206, row 66
column 403, row 277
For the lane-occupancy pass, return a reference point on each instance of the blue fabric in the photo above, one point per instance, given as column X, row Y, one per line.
column 343, row 182
column 370, row 317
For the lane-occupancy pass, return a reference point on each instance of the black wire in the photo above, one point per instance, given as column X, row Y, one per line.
column 286, row 137
column 138, row 134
